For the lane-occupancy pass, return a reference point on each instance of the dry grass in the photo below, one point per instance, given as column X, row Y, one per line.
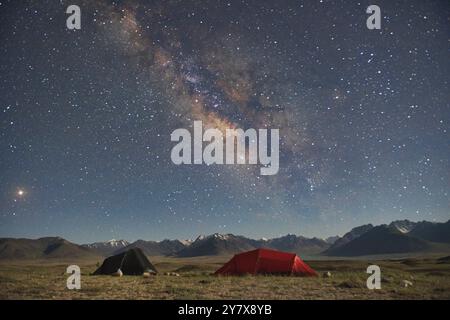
column 44, row 280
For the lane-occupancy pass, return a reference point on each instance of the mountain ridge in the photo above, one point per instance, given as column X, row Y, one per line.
column 400, row 236
column 42, row 248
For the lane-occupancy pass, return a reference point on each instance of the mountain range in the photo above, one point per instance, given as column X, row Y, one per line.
column 401, row 236
column 42, row 248
column 155, row 248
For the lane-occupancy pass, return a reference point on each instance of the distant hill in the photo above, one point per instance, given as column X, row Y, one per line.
column 381, row 240
column 296, row 244
column 155, row 248
column 43, row 248
column 444, row 259
column 108, row 247
column 331, row 240
column 435, row 232
column 348, row 237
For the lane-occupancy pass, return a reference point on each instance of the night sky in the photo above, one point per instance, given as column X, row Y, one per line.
column 86, row 116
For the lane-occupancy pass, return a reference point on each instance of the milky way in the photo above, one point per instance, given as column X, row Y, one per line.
column 86, row 116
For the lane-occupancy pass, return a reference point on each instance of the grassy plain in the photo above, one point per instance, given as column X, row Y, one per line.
column 429, row 276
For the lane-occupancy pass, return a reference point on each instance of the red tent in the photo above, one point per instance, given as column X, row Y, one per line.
column 266, row 261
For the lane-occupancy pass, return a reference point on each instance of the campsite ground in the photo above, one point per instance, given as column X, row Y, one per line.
column 44, row 280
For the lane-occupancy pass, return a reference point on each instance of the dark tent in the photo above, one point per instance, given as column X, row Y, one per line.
column 131, row 262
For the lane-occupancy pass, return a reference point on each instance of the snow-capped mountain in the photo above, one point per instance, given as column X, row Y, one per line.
column 186, row 242
column 226, row 244
column 404, row 226
column 217, row 244
column 107, row 247
column 155, row 248
column 401, row 236
column 220, row 236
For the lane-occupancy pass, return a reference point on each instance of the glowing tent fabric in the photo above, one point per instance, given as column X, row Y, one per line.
column 266, row 261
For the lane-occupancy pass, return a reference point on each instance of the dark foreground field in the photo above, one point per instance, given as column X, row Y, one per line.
column 430, row 279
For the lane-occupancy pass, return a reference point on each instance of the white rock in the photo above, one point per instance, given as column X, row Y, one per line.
column 407, row 283
column 118, row 273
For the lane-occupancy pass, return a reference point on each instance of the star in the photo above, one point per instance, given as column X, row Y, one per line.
column 86, row 117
